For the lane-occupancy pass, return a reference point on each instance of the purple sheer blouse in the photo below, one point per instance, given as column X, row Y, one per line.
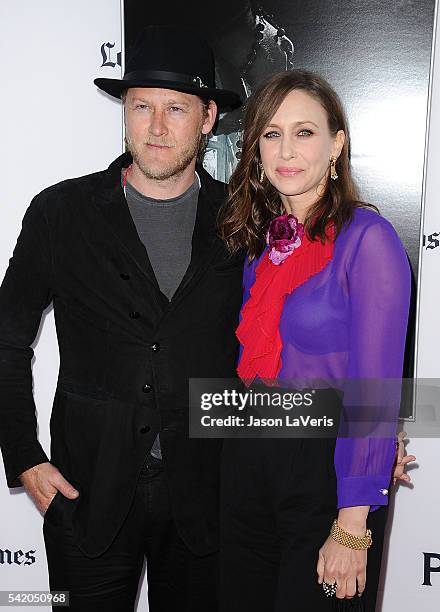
column 349, row 321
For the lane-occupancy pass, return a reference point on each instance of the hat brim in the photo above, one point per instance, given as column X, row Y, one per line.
column 224, row 98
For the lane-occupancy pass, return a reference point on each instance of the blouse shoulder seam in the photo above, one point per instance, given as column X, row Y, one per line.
column 378, row 220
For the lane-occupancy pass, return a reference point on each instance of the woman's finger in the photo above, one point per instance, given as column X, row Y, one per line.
column 342, row 588
column 408, row 459
column 350, row 590
column 331, row 580
column 401, row 436
column 401, row 447
column 320, row 568
column 361, row 582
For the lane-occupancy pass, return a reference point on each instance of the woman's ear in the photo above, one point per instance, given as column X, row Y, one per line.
column 338, row 143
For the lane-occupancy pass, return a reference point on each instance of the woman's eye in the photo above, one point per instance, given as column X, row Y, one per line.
column 272, row 134
column 305, row 133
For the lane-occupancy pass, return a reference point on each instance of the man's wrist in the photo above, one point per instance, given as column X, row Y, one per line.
column 30, row 470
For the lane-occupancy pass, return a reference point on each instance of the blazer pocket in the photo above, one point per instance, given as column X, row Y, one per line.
column 53, row 506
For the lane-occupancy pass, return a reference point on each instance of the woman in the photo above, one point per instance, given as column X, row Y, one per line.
column 326, row 298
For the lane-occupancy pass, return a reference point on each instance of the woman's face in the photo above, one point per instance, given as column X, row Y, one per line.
column 296, row 148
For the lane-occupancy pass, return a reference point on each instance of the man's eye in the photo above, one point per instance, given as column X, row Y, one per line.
column 176, row 108
column 272, row 134
column 141, row 106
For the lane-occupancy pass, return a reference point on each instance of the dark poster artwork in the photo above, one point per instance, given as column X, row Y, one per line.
column 377, row 56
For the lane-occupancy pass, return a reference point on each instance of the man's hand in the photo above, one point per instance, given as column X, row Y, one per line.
column 43, row 481
column 401, row 461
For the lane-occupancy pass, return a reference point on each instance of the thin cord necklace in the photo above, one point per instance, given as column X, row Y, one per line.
column 126, row 171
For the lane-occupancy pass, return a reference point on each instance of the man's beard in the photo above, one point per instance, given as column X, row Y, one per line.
column 172, row 168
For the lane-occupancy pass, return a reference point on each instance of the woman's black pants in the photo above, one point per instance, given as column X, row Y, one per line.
column 278, row 504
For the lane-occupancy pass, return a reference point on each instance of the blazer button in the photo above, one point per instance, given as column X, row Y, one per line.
column 134, row 314
column 155, row 347
column 147, row 388
column 124, row 276
column 145, row 429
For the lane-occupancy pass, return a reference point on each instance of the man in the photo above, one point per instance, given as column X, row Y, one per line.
column 145, row 297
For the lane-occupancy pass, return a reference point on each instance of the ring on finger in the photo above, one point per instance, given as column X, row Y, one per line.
column 329, row 588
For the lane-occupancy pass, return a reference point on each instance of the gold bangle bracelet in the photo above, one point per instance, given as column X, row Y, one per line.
column 345, row 538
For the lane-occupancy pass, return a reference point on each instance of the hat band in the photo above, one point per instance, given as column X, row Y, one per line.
column 161, row 75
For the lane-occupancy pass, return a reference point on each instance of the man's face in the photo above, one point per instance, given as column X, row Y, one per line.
column 163, row 129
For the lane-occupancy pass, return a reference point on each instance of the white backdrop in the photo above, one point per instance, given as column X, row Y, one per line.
column 55, row 124
column 415, row 524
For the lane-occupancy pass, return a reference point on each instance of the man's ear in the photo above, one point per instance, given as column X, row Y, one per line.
column 211, row 114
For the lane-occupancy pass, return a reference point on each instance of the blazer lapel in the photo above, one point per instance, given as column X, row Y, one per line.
column 116, row 214
column 205, row 242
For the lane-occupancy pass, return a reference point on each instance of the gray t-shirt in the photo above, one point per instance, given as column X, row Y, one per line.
column 165, row 227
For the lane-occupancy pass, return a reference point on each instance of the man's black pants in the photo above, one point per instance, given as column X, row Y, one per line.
column 178, row 580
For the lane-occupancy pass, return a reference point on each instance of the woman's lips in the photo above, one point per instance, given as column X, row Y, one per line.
column 285, row 171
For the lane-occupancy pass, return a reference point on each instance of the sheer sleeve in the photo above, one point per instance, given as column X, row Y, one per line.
column 379, row 293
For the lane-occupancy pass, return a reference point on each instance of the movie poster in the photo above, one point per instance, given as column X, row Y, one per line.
column 377, row 56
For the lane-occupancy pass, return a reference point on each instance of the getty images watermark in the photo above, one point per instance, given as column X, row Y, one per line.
column 226, row 408
column 248, row 403
column 222, row 408
column 34, row 598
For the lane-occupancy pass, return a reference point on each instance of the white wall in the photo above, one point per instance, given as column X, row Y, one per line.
column 414, row 529
column 54, row 124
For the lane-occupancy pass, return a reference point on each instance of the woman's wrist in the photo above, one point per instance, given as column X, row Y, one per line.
column 354, row 519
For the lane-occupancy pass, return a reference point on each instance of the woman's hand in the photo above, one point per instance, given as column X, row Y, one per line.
column 343, row 565
column 401, row 460
column 346, row 567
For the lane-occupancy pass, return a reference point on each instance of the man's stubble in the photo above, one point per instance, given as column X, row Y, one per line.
column 169, row 170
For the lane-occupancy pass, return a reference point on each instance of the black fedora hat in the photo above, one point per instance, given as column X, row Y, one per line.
column 171, row 57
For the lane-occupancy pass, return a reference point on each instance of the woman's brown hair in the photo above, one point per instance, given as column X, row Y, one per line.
column 252, row 204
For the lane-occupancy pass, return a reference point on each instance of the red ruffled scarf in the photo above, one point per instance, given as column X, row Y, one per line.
column 258, row 331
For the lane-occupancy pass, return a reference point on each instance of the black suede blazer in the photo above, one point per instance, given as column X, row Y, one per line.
column 126, row 354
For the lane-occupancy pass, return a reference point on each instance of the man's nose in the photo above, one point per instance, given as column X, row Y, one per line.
column 157, row 126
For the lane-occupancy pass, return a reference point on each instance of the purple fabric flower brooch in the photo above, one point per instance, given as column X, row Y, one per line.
column 283, row 237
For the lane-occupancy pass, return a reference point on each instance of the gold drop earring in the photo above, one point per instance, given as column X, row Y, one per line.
column 261, row 172
column 333, row 173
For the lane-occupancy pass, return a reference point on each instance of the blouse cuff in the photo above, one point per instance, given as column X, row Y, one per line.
column 370, row 491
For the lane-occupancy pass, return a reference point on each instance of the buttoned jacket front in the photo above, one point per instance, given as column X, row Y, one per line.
column 126, row 354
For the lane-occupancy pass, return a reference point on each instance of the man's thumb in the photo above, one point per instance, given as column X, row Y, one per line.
column 67, row 489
